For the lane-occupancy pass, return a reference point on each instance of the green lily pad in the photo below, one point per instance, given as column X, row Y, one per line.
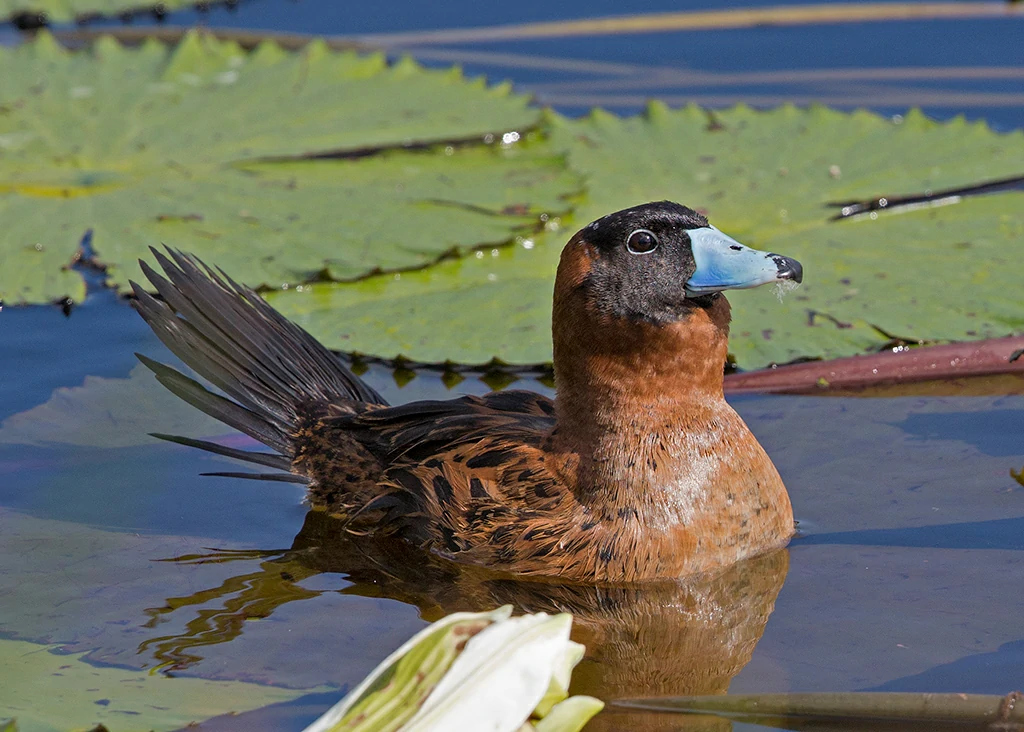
column 764, row 177
column 496, row 303
column 212, row 149
column 46, row 690
column 63, row 11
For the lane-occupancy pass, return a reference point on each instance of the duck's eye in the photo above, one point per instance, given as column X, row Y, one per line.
column 642, row 241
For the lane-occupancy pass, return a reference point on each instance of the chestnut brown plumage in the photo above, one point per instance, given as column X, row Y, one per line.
column 638, row 469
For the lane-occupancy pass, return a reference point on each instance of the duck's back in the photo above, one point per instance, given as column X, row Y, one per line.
column 431, row 458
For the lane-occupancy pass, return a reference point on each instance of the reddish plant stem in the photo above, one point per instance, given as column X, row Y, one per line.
column 903, row 366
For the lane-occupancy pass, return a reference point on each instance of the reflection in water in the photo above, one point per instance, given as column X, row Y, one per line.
column 690, row 637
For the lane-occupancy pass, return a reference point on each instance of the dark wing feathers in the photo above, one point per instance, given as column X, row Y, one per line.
column 199, row 342
column 268, row 459
column 460, row 470
column 209, row 361
column 417, row 430
column 521, row 402
column 217, row 406
column 274, row 477
column 275, row 376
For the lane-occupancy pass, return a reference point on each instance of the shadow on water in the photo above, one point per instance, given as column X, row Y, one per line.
column 690, row 637
column 1005, row 534
column 995, row 432
column 986, row 671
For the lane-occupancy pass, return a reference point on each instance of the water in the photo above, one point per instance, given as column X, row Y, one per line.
column 621, row 72
column 906, row 576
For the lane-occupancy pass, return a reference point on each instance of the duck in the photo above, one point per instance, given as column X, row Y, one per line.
column 638, row 470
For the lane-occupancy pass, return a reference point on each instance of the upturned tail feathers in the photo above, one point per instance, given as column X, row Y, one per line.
column 275, row 374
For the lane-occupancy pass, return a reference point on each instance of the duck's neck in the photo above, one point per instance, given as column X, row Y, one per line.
column 639, row 404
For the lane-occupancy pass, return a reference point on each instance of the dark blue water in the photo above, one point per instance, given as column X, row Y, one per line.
column 988, row 42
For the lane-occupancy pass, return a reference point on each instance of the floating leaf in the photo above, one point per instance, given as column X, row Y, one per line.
column 45, row 690
column 766, row 178
column 207, row 147
column 468, row 310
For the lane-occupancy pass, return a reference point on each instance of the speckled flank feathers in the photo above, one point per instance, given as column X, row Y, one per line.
column 639, row 470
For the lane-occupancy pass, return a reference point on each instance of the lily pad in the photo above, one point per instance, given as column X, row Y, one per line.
column 766, row 178
column 496, row 303
column 219, row 151
column 46, row 690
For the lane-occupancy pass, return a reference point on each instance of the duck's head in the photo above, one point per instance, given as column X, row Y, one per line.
column 645, row 283
column 655, row 263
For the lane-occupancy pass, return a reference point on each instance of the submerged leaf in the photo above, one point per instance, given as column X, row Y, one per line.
column 766, row 178
column 213, row 149
column 46, row 690
column 106, row 412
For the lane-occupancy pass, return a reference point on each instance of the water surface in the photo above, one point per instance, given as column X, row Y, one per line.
column 906, row 576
